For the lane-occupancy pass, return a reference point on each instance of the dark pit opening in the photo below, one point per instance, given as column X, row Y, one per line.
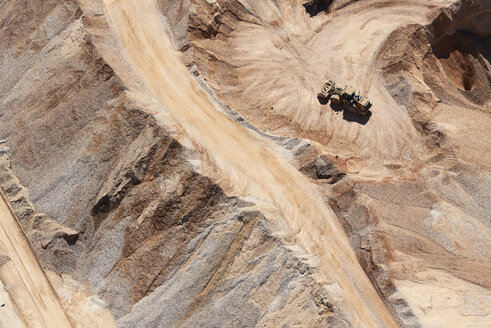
column 463, row 56
column 314, row 7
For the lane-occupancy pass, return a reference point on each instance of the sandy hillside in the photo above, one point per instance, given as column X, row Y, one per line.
column 170, row 163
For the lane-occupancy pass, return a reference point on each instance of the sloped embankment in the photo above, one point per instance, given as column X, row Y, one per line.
column 450, row 56
column 143, row 222
column 441, row 74
column 236, row 154
column 130, row 215
column 429, row 231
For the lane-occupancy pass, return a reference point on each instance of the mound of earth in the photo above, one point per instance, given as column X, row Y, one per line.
column 441, row 73
column 171, row 165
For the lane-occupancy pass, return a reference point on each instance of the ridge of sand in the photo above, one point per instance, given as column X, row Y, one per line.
column 29, row 298
column 239, row 157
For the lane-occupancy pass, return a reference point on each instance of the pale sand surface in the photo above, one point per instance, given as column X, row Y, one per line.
column 26, row 290
column 238, row 156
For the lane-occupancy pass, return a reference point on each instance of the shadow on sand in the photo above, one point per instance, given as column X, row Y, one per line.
column 316, row 6
column 351, row 117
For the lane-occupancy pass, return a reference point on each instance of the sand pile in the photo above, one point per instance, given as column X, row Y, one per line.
column 190, row 176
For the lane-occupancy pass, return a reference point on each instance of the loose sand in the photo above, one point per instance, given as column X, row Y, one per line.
column 242, row 159
column 29, row 299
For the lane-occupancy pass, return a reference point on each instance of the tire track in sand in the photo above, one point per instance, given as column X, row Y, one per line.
column 241, row 158
column 32, row 302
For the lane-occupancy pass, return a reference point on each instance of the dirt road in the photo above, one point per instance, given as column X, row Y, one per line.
column 274, row 69
column 26, row 297
column 244, row 161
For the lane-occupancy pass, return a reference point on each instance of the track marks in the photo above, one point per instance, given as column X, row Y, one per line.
column 245, row 162
column 36, row 301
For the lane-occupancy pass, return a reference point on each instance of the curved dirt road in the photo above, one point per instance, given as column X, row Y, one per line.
column 243, row 160
column 27, row 297
column 281, row 62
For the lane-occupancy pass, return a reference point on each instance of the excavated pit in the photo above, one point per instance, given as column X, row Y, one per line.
column 131, row 216
column 462, row 59
column 452, row 55
column 465, row 58
column 441, row 74
column 268, row 61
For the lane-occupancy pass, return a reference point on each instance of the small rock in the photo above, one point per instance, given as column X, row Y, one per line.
column 194, row 71
column 4, row 259
column 322, row 168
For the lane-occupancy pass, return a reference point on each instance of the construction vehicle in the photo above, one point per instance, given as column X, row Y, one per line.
column 345, row 96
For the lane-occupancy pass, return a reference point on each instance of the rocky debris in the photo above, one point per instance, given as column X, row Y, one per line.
column 434, row 136
column 443, row 63
column 163, row 245
column 46, row 236
column 216, row 288
column 126, row 212
column 322, row 168
column 64, row 118
column 128, row 172
column 49, row 229
column 423, row 227
column 174, row 219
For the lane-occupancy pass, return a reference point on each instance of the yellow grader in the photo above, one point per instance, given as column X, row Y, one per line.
column 346, row 96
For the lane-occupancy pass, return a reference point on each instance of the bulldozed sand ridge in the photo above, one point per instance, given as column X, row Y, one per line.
column 190, row 176
column 29, row 288
column 198, row 117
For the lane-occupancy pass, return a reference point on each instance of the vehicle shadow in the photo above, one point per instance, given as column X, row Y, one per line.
column 351, row 117
column 336, row 107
